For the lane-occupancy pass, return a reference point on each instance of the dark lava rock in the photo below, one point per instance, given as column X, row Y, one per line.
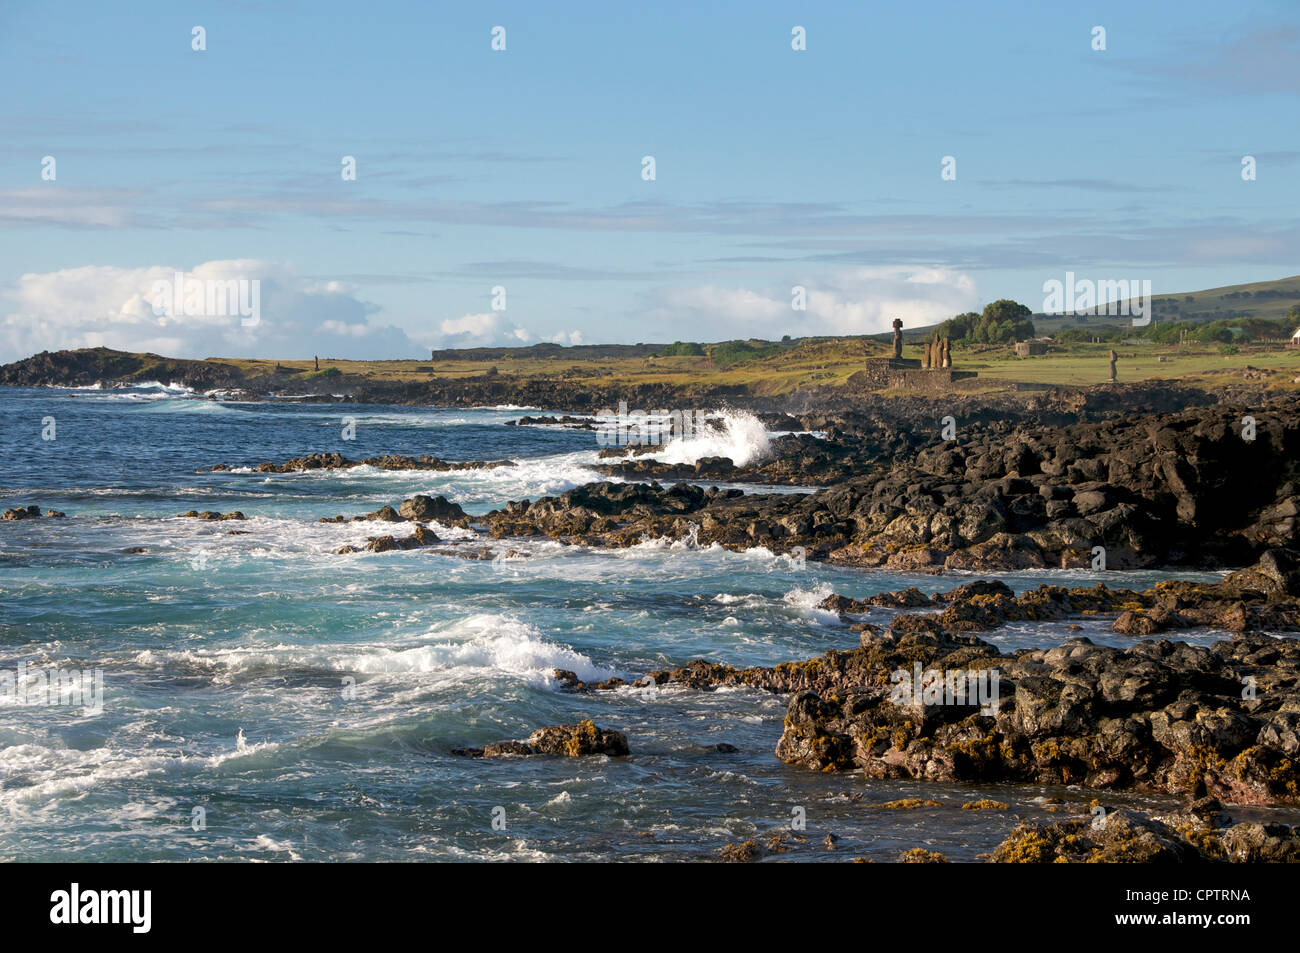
column 572, row 741
column 424, row 509
column 577, row 740
column 1126, row 836
column 1161, row 488
column 30, row 513
column 1162, row 716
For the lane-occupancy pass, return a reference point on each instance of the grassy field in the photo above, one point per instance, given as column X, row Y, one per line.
column 817, row 363
column 1090, row 364
column 832, row 362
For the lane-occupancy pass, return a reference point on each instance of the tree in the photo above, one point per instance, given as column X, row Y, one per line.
column 1002, row 322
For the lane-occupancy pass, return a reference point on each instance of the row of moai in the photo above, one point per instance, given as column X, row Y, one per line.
column 935, row 354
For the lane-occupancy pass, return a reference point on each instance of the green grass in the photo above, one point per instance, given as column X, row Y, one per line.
column 1081, row 364
column 830, row 362
column 325, row 373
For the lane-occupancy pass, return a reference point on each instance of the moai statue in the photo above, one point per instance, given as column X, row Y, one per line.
column 945, row 350
column 925, row 356
column 316, row 358
column 1113, row 358
column 898, row 338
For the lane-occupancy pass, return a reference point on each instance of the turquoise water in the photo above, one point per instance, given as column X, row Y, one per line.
column 306, row 703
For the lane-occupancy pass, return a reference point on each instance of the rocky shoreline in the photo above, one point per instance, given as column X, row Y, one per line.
column 390, row 461
column 1159, row 716
column 1207, row 487
column 976, row 485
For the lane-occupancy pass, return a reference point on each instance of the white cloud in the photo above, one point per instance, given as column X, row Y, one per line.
column 122, row 308
column 860, row 301
column 481, row 330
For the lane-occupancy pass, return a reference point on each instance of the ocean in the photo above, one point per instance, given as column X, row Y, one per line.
column 267, row 699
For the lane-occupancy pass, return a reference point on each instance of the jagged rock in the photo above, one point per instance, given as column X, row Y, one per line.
column 507, row 749
column 1170, row 488
column 1160, row 715
column 1126, row 836
column 919, row 855
column 577, row 740
column 29, row 513
column 335, row 461
column 745, row 852
column 1276, row 574
column 425, row 509
column 572, row 741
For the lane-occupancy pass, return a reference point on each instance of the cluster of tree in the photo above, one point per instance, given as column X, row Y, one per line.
column 682, row 349
column 734, row 352
column 1228, row 331
column 1262, row 293
column 1002, row 322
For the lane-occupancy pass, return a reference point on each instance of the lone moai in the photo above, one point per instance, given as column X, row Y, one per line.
column 1113, row 358
column 316, row 358
column 898, row 338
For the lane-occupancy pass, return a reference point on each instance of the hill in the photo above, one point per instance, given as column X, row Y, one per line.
column 1267, row 300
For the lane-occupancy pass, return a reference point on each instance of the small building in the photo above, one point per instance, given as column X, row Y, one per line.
column 1030, row 348
column 1295, row 339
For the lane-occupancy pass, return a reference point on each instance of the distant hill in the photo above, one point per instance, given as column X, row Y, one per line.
column 1263, row 299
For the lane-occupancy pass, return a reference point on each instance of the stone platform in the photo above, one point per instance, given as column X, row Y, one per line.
column 879, row 373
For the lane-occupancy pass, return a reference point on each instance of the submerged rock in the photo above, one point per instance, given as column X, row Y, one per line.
column 335, row 461
column 30, row 513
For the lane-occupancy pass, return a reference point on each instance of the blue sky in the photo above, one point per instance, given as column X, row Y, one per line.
column 522, row 168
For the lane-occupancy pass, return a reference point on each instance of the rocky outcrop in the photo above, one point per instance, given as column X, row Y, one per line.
column 426, row 508
column 569, row 682
column 212, row 515
column 570, row 741
column 422, row 536
column 1162, row 715
column 419, row 508
column 31, row 512
column 335, row 461
column 929, row 700
column 1127, row 836
column 1170, row 489
column 89, row 366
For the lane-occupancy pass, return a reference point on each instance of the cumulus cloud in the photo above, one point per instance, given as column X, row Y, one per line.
column 134, row 309
column 858, row 301
column 489, row 328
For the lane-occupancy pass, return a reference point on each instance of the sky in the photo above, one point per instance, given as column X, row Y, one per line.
column 502, row 196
